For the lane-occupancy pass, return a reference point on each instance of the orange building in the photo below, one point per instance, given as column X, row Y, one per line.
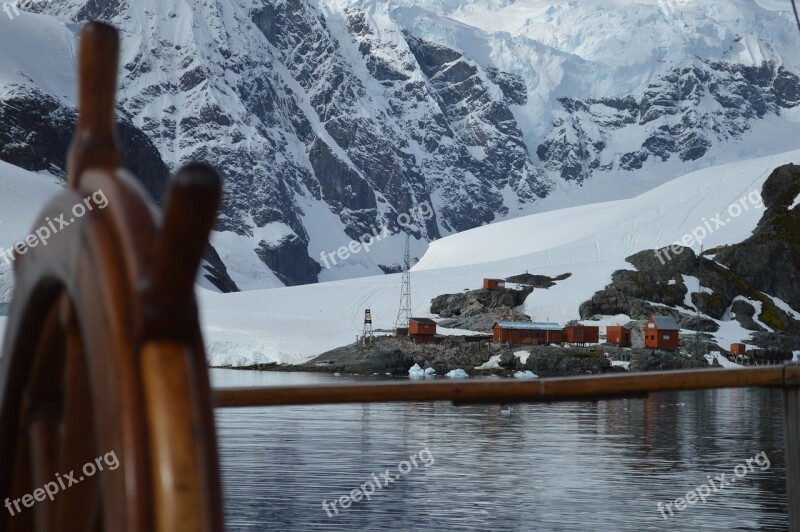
column 661, row 332
column 618, row 335
column 738, row 349
column 582, row 334
column 527, row 332
column 422, row 330
column 493, row 284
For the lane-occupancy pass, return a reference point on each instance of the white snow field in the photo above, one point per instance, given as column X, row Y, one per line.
column 290, row 325
column 591, row 242
column 22, row 195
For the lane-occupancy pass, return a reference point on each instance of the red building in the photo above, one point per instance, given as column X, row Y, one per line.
column 493, row 284
column 738, row 349
column 661, row 332
column 422, row 330
column 618, row 335
column 527, row 332
column 582, row 334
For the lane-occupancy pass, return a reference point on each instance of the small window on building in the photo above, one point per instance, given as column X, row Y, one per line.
column 665, row 337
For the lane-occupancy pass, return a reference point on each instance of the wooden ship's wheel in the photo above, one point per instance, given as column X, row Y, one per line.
column 103, row 360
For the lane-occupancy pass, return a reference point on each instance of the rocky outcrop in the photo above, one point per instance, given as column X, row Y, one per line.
column 383, row 356
column 395, row 356
column 739, row 282
column 560, row 362
column 478, row 310
column 653, row 360
column 775, row 242
column 537, row 281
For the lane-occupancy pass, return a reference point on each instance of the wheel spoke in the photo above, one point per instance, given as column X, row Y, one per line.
column 78, row 506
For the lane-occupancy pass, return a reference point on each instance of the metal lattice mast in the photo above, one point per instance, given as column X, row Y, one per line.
column 404, row 314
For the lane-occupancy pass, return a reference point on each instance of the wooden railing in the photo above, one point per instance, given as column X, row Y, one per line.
column 518, row 390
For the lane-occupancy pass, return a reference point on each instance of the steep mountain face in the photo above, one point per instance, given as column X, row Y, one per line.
column 681, row 114
column 38, row 131
column 332, row 119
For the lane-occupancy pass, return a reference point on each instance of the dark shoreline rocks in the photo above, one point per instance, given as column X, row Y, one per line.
column 393, row 357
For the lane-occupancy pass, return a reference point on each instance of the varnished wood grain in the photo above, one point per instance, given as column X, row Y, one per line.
column 500, row 391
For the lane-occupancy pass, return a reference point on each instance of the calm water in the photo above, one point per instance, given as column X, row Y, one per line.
column 568, row 466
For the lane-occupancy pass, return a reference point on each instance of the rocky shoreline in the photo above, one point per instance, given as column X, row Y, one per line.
column 390, row 356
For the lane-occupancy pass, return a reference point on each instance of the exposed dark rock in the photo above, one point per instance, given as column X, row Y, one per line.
column 775, row 242
column 557, row 362
column 663, row 360
column 514, row 88
column 476, row 302
column 743, row 312
column 289, row 260
column 384, row 356
column 36, row 131
column 577, row 142
column 216, row 273
column 772, row 340
column 478, row 310
column 396, row 356
column 104, row 10
column 537, row 281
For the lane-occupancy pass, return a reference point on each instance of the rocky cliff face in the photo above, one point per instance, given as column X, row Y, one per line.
column 681, row 114
column 754, row 282
column 38, row 131
column 329, row 119
column 770, row 259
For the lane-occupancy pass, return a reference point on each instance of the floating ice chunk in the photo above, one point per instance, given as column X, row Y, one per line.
column 417, row 372
column 527, row 374
column 492, row 363
column 457, row 374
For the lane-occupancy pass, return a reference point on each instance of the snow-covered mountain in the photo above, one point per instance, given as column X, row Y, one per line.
column 330, row 118
column 590, row 242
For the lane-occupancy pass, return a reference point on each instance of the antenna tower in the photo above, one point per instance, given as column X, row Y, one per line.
column 404, row 314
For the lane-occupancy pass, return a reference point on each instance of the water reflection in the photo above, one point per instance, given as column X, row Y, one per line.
column 568, row 466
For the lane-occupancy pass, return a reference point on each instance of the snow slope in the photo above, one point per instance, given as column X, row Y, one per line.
column 22, row 195
column 294, row 324
column 591, row 242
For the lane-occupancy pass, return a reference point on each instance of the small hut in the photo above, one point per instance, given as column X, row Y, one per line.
column 618, row 335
